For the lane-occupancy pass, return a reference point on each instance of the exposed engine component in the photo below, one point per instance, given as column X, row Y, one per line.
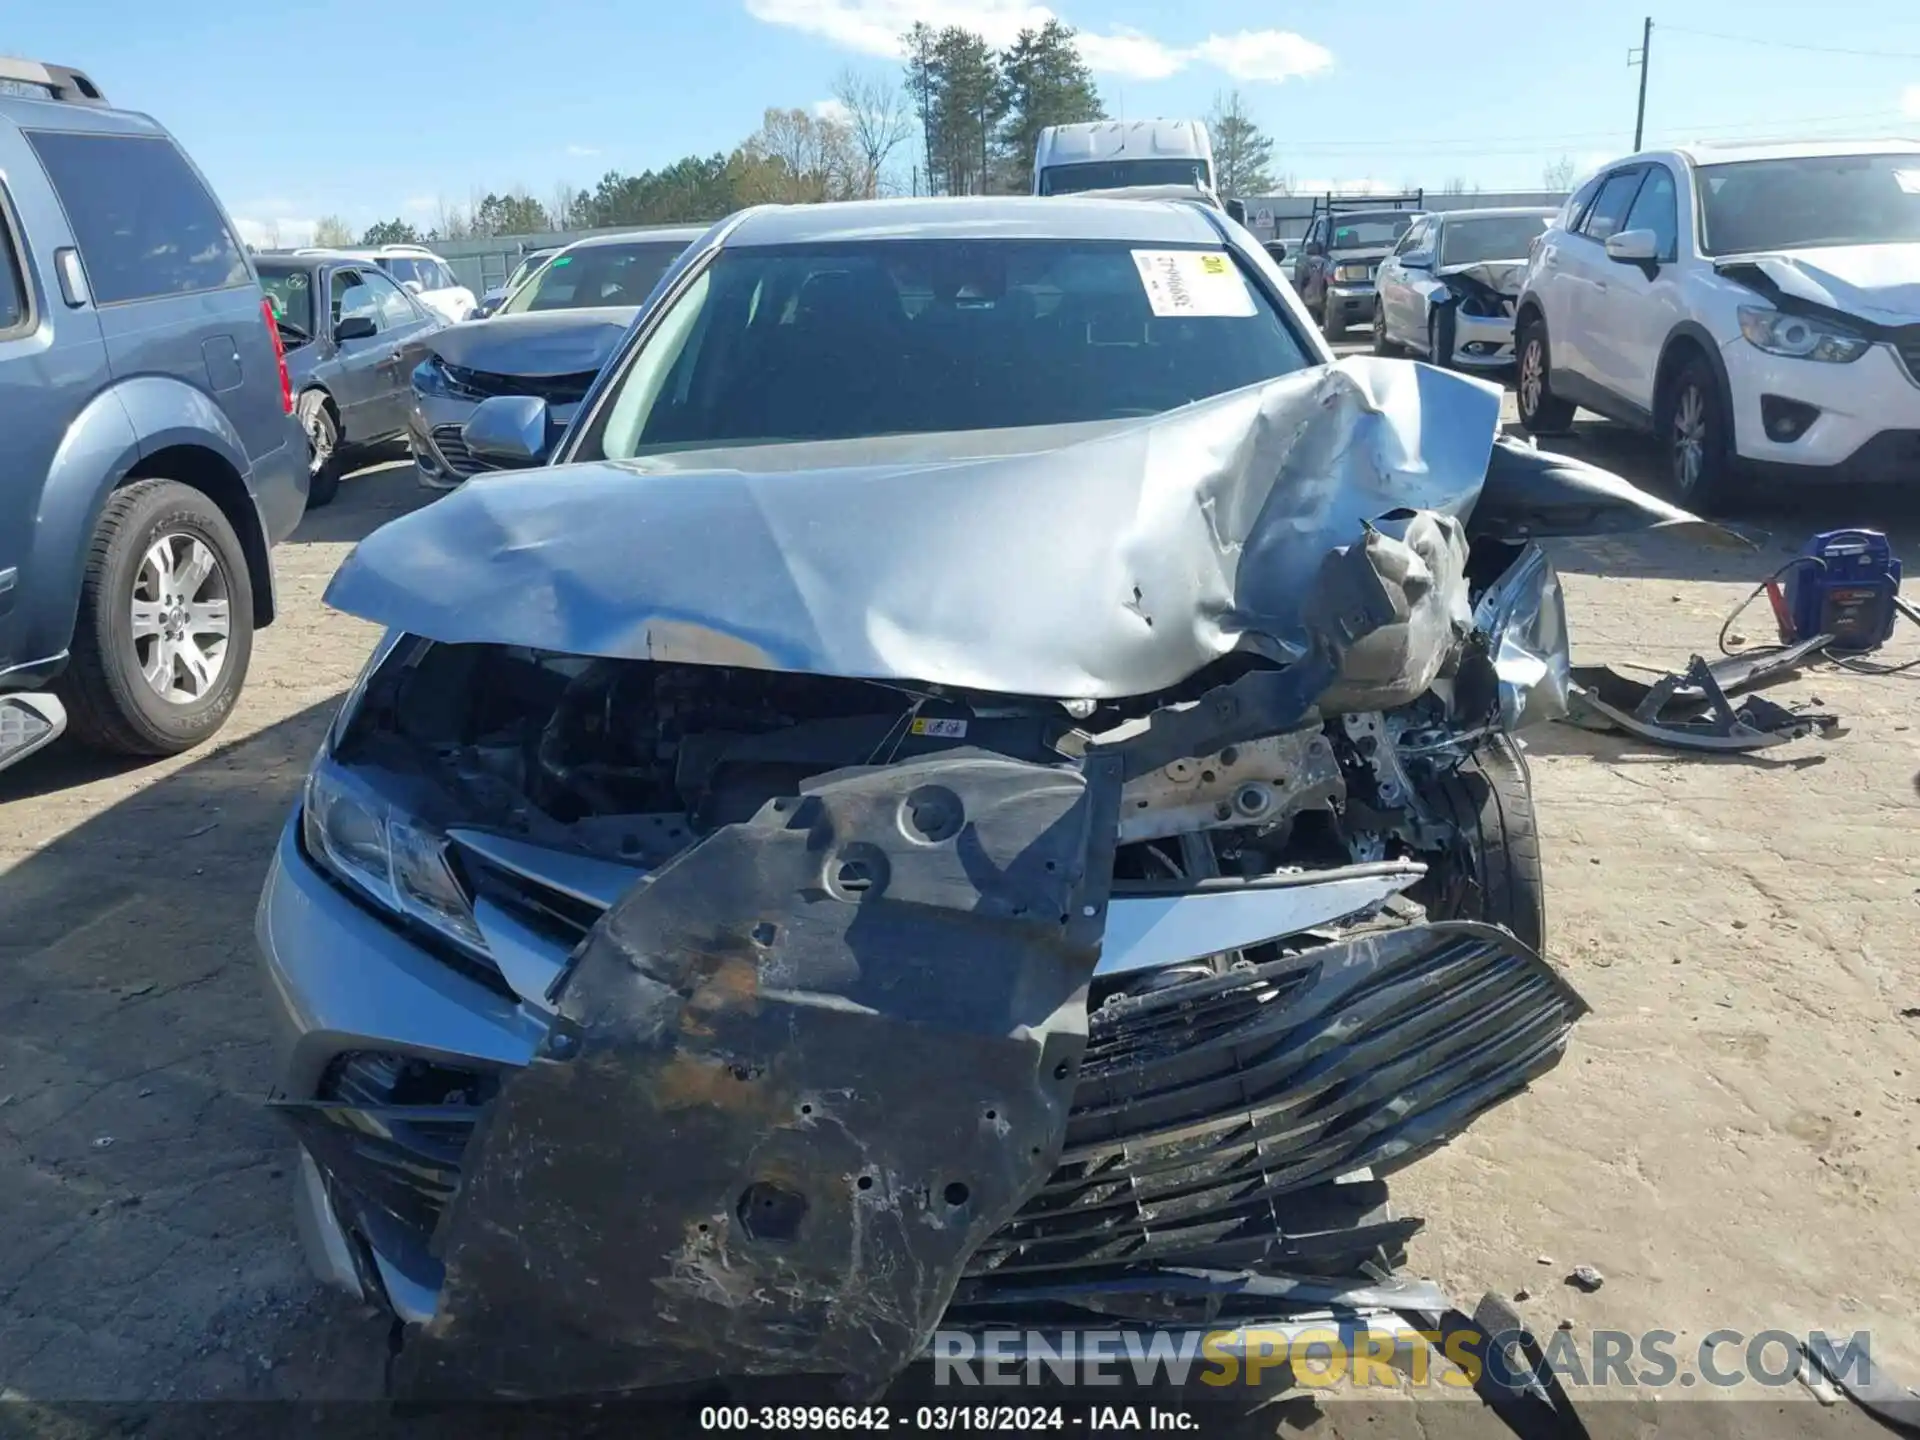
column 1263, row 782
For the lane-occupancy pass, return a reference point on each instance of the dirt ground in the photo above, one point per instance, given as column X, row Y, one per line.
column 1732, row 1141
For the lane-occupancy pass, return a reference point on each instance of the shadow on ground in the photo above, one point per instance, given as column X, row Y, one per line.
column 383, row 488
column 150, row 1247
column 1778, row 521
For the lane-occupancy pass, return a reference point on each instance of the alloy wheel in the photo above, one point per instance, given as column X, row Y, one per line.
column 182, row 618
column 319, row 441
column 1689, row 437
column 1533, row 367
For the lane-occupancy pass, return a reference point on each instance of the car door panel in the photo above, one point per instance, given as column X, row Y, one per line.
column 402, row 345
column 1586, row 278
column 359, row 360
column 1639, row 305
column 1392, row 285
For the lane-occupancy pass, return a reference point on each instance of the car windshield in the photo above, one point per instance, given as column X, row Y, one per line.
column 852, row 340
column 424, row 271
column 1495, row 237
column 290, row 292
column 525, row 268
column 1119, row 174
column 1369, row 232
column 596, row 275
column 1809, row 201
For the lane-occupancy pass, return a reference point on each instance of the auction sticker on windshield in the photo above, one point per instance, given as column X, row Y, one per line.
column 1192, row 282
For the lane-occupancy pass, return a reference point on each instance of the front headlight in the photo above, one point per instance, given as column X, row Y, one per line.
column 1351, row 273
column 430, row 379
column 1799, row 338
column 385, row 854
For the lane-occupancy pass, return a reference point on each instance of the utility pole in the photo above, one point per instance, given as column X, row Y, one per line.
column 1646, row 49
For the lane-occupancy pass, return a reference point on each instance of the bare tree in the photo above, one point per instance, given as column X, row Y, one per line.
column 560, row 205
column 879, row 117
column 1559, row 175
column 799, row 159
column 331, row 230
column 271, row 235
column 1456, row 186
column 450, row 220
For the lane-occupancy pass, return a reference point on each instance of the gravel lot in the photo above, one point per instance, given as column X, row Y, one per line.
column 1732, row 1141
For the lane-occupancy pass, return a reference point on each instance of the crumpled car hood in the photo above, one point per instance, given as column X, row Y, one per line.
column 1503, row 277
column 539, row 343
column 1076, row 562
column 1880, row 283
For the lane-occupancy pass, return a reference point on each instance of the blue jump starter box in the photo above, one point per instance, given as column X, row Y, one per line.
column 1844, row 586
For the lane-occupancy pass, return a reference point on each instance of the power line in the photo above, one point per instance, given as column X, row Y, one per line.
column 1793, row 44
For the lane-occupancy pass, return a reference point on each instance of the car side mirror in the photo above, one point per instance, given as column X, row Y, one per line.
column 1634, row 247
column 1277, row 250
column 508, row 430
column 412, row 287
column 1237, row 211
column 1417, row 260
column 355, row 327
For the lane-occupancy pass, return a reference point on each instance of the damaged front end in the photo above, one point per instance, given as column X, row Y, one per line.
column 1095, row 976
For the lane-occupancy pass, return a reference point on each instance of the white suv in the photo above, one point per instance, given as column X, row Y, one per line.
column 1756, row 308
column 420, row 272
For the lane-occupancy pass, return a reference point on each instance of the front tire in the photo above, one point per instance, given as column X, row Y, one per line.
column 1491, row 873
column 1694, row 427
column 1440, row 339
column 323, row 449
column 165, row 631
column 1381, row 344
column 1541, row 411
column 1331, row 325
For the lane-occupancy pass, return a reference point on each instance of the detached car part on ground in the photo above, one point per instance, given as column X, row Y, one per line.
column 1027, row 878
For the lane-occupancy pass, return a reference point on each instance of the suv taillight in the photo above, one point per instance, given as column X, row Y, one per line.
column 279, row 356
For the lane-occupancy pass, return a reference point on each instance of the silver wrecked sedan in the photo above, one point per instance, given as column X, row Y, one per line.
column 1448, row 289
column 972, row 794
column 547, row 339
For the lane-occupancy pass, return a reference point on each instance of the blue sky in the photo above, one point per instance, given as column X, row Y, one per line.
column 300, row 110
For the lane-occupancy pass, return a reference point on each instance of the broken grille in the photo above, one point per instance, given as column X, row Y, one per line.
column 1213, row 1119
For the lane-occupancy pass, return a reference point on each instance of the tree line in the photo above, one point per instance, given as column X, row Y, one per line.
column 961, row 119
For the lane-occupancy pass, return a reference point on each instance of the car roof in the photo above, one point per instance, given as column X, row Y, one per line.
column 969, row 217
column 1709, row 152
column 682, row 235
column 1498, row 212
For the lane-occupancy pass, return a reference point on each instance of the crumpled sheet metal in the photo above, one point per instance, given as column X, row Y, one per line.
column 1524, row 616
column 1079, row 562
column 794, row 1082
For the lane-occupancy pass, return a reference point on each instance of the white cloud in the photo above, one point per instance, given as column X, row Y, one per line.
column 421, row 205
column 1264, row 55
column 579, row 151
column 1129, row 53
column 1910, row 102
column 1314, row 186
column 833, row 110
column 272, row 232
column 874, row 27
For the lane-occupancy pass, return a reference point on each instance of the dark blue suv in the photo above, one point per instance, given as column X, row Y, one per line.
column 149, row 454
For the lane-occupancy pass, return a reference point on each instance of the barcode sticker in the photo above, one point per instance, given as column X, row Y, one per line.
column 1192, row 282
column 943, row 729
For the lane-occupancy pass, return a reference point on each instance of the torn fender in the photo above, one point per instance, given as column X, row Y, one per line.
column 1533, row 494
column 794, row 1082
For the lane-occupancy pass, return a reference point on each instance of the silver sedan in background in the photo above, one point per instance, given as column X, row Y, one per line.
column 1448, row 289
column 548, row 340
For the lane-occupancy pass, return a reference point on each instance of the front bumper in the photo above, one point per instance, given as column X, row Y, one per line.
column 1867, row 429
column 1482, row 341
column 1289, row 1084
column 433, row 436
column 1351, row 303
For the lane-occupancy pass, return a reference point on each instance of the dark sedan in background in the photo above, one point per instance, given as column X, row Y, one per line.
column 548, row 340
column 353, row 337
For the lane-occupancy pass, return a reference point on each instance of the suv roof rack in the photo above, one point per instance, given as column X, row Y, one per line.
column 59, row 81
column 1327, row 204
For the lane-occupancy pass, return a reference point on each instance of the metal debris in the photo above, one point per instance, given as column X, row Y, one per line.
column 1586, row 1278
